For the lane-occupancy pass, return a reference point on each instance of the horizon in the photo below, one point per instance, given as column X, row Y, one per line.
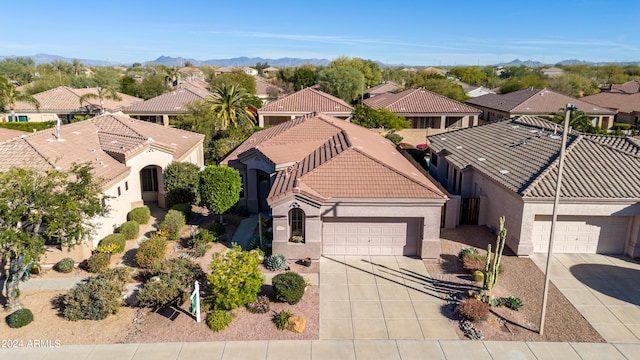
column 473, row 34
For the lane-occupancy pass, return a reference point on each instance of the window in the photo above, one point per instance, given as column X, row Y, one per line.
column 434, row 159
column 241, row 186
column 149, row 177
column 296, row 224
column 126, row 186
column 119, row 192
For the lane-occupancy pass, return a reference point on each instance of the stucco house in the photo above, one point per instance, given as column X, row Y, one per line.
column 537, row 102
column 510, row 167
column 385, row 87
column 428, row 112
column 128, row 157
column 552, row 72
column 627, row 105
column 300, row 103
column 336, row 188
column 64, row 103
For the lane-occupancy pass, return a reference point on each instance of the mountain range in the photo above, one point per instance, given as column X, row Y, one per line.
column 281, row 62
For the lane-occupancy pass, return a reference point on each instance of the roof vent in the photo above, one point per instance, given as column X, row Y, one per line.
column 481, row 159
column 515, row 126
column 444, row 138
column 504, row 172
column 459, row 147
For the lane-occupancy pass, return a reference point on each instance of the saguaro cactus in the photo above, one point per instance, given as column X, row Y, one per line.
column 492, row 264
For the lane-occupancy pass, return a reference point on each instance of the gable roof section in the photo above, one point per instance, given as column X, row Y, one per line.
column 522, row 154
column 630, row 87
column 533, row 101
column 419, row 101
column 626, row 103
column 64, row 98
column 172, row 102
column 387, row 86
column 7, row 134
column 307, row 101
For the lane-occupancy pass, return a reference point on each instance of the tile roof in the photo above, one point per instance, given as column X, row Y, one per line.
column 533, row 101
column 335, row 159
column 262, row 86
column 172, row 102
column 307, row 101
column 630, row 87
column 626, row 103
column 64, row 98
column 522, row 154
column 6, row 134
column 419, row 101
column 102, row 141
column 387, row 86
column 197, row 83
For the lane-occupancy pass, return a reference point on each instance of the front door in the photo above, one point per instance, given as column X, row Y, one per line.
column 264, row 185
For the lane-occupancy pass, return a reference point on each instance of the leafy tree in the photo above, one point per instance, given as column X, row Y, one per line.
column 82, row 82
column 304, row 77
column 171, row 75
column 573, row 85
column 219, row 188
column 107, row 87
column 129, row 86
column 523, row 82
column 446, row 87
column 235, row 277
column 395, row 74
column 44, row 205
column 77, row 67
column 369, row 69
column 20, row 69
column 578, row 120
column 341, row 81
column 378, row 118
column 9, row 96
column 181, row 183
column 152, row 85
column 261, row 66
column 237, row 78
column 231, row 106
column 472, row 75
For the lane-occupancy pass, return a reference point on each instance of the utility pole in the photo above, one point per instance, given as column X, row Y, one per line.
column 554, row 216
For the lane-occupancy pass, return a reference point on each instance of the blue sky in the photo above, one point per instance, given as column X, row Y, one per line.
column 416, row 32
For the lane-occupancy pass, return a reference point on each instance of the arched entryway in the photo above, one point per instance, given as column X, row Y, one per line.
column 151, row 183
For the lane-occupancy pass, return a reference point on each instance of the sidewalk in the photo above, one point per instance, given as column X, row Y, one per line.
column 329, row 350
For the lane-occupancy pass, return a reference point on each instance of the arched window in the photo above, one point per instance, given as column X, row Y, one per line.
column 296, row 225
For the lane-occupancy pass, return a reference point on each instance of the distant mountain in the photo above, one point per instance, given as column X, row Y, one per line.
column 239, row 61
column 46, row 58
column 518, row 62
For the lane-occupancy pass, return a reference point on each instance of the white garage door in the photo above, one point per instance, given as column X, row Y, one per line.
column 581, row 234
column 370, row 236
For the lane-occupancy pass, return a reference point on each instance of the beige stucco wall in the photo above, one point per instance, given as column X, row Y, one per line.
column 32, row 117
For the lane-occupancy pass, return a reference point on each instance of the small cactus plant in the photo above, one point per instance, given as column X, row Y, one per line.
column 477, row 276
column 275, row 262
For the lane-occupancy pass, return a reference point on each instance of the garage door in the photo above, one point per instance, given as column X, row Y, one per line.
column 581, row 234
column 370, row 236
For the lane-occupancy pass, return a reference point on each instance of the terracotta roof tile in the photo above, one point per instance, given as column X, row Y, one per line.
column 6, row 134
column 626, row 103
column 172, row 102
column 67, row 99
column 385, row 87
column 306, row 101
column 419, row 101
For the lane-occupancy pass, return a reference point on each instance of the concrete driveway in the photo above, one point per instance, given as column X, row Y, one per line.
column 604, row 288
column 381, row 297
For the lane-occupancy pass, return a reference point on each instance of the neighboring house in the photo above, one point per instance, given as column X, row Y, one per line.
column 6, row 134
column 264, row 89
column 250, row 71
column 630, row 87
column 428, row 112
column 64, row 103
column 553, row 72
column 270, row 71
column 336, row 188
column 200, row 84
column 475, row 91
column 162, row 108
column 537, row 102
column 509, row 168
column 626, row 105
column 128, row 157
column 227, row 69
column 385, row 87
column 189, row 73
column 300, row 103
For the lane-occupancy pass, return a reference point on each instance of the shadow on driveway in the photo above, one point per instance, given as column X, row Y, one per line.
column 615, row 281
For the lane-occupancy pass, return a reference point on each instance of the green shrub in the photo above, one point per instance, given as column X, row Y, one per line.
column 281, row 318
column 235, row 278
column 97, row 297
column 219, row 188
column 260, row 306
column 28, row 126
column 118, row 239
column 466, row 251
column 173, row 223
column 172, row 283
column 151, row 250
column 19, row 318
column 141, row 215
column 159, row 292
column 513, row 303
column 98, row 262
column 394, row 138
column 288, row 287
column 65, row 265
column 275, row 262
column 130, row 230
column 181, row 183
column 218, row 320
column 184, row 208
column 621, row 126
column 217, row 229
column 473, row 262
column 203, row 236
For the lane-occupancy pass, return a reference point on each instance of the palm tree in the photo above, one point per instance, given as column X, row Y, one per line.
column 578, row 120
column 9, row 96
column 231, row 106
column 171, row 75
column 107, row 88
column 77, row 67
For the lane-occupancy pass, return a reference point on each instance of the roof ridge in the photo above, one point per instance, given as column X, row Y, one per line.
column 46, row 159
column 529, row 97
column 325, row 144
column 327, row 95
column 117, row 118
column 614, row 148
column 397, row 97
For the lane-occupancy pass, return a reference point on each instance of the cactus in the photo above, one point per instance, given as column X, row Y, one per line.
column 275, row 262
column 492, row 264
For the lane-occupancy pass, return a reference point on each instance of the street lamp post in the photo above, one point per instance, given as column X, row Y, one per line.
column 554, row 217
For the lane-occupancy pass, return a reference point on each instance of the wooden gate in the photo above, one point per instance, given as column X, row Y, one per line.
column 469, row 211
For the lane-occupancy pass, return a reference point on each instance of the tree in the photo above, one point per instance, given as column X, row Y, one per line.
column 446, row 87
column 369, row 69
column 181, row 183
column 107, row 81
column 152, row 85
column 304, row 76
column 77, row 67
column 235, row 277
column 341, row 81
column 578, row 120
column 523, row 82
column 261, row 66
column 231, row 106
column 378, row 118
column 219, row 188
column 9, row 96
column 38, row 206
column 574, row 85
column 171, row 75
column 472, row 75
column 237, row 78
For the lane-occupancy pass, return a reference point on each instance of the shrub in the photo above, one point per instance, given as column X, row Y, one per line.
column 19, row 318
column 158, row 292
column 235, row 278
column 621, row 126
column 217, row 229
column 473, row 309
column 474, row 262
column 218, row 320
column 130, row 230
column 151, row 251
column 203, row 236
column 172, row 283
column 220, row 188
column 288, row 287
column 97, row 297
column 275, row 262
column 260, row 306
column 118, row 240
column 281, row 318
column 65, row 265
column 98, row 262
column 141, row 215
column 184, row 208
column 466, row 251
column 513, row 303
column 173, row 223
column 394, row 138
column 181, row 183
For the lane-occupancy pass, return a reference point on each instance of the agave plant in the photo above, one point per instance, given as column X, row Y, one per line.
column 275, row 262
